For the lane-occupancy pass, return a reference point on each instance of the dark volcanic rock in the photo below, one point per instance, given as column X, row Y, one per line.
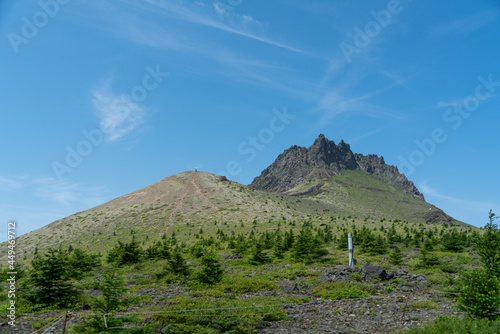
column 373, row 165
column 322, row 160
column 368, row 271
column 437, row 215
column 340, row 274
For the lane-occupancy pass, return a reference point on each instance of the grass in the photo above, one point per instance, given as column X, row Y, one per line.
column 340, row 290
column 456, row 325
column 424, row 304
column 237, row 284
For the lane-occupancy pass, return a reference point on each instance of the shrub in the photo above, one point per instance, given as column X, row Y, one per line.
column 355, row 276
column 242, row 284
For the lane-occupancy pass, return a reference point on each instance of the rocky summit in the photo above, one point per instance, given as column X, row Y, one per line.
column 324, row 158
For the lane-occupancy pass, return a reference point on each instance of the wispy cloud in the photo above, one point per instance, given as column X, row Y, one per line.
column 11, row 183
column 118, row 114
column 455, row 102
column 133, row 22
column 465, row 24
column 45, row 199
column 238, row 24
column 449, row 103
column 463, row 203
column 67, row 193
column 53, row 190
column 363, row 136
column 338, row 100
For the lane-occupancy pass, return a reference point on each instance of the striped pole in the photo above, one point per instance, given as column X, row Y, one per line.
column 351, row 260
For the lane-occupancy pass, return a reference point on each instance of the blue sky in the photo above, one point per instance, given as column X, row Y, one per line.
column 101, row 97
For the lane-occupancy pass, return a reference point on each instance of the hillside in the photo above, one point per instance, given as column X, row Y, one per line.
column 183, row 202
column 322, row 183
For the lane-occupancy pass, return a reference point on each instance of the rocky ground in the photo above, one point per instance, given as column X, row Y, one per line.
column 413, row 303
column 368, row 315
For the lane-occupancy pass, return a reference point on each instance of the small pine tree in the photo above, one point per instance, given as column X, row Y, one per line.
column 241, row 244
column 81, row 263
column 289, row 240
column 428, row 246
column 258, row 256
column 343, row 241
column 428, row 259
column 452, row 242
column 211, row 272
column 164, row 251
column 489, row 245
column 113, row 289
column 151, row 253
column 480, row 293
column 279, row 247
column 112, row 300
column 177, row 263
column 308, row 248
column 125, row 253
column 47, row 284
column 396, row 257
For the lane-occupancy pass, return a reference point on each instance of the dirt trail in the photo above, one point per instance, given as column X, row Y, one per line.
column 179, row 204
column 200, row 192
column 192, row 189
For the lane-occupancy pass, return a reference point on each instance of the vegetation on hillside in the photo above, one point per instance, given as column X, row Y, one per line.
column 67, row 278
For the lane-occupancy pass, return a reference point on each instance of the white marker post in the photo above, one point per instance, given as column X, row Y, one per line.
column 351, row 260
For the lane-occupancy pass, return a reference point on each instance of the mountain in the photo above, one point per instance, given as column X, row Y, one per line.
column 347, row 181
column 183, row 203
column 325, row 183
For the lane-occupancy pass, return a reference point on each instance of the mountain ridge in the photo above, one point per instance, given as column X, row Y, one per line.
column 333, row 186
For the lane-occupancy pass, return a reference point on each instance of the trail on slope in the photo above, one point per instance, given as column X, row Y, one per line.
column 200, row 192
column 192, row 189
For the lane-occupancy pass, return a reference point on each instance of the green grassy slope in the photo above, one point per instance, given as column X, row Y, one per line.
column 359, row 194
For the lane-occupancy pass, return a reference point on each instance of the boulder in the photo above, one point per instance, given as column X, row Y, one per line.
column 368, row 272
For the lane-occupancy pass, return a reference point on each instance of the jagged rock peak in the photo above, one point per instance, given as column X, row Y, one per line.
column 297, row 164
column 323, row 153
